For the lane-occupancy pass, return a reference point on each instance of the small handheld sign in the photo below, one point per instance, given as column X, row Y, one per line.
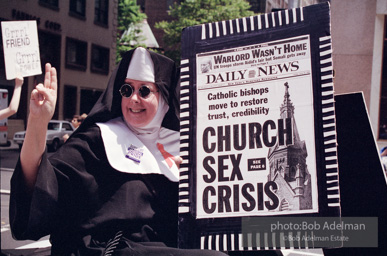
column 21, row 48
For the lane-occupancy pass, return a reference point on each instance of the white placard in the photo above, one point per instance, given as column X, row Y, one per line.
column 242, row 95
column 21, row 48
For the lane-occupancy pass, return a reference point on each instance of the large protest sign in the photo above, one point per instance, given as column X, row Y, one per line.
column 257, row 127
column 21, row 48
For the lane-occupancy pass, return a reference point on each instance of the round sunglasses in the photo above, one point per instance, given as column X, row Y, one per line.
column 127, row 90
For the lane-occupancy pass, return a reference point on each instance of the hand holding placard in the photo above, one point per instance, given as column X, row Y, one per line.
column 14, row 104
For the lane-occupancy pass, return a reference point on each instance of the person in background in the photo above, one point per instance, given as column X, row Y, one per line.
column 78, row 119
column 76, row 122
column 14, row 104
column 112, row 188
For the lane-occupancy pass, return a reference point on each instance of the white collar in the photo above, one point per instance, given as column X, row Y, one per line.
column 123, row 147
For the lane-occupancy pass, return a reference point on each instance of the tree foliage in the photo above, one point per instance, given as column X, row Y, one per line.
column 194, row 12
column 129, row 14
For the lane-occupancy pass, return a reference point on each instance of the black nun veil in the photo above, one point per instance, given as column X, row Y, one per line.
column 108, row 105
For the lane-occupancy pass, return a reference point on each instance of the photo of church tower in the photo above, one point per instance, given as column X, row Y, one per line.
column 288, row 166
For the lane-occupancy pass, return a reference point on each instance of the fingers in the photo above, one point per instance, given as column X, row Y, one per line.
column 49, row 88
column 54, row 80
column 39, row 93
column 50, row 81
column 47, row 76
column 50, row 77
column 43, row 96
column 43, row 92
column 178, row 161
column 35, row 95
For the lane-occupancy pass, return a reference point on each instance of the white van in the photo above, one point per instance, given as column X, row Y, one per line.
column 4, row 122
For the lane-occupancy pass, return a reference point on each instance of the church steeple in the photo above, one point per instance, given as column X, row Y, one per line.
column 299, row 189
column 287, row 108
column 288, row 163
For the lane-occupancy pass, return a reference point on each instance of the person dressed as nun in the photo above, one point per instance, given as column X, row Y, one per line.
column 112, row 188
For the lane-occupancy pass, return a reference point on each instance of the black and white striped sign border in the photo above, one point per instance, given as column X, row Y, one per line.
column 256, row 241
column 329, row 123
column 252, row 23
column 184, row 137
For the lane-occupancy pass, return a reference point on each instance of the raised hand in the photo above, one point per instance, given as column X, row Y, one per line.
column 43, row 97
column 42, row 108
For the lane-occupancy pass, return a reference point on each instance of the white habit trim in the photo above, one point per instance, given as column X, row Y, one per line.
column 117, row 138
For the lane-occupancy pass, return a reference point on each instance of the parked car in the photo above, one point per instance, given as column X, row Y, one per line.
column 56, row 130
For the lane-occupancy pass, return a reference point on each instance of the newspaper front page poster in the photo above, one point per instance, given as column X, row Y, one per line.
column 257, row 130
column 255, row 100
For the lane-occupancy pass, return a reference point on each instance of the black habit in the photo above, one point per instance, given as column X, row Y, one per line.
column 89, row 208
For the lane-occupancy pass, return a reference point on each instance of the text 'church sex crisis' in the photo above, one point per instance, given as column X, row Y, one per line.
column 226, row 198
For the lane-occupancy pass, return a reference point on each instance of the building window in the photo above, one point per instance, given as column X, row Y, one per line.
column 383, row 90
column 99, row 59
column 101, row 12
column 78, row 8
column 88, row 98
column 257, row 6
column 70, row 94
column 52, row 4
column 76, row 54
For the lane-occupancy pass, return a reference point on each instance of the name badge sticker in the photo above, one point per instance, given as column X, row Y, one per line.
column 134, row 153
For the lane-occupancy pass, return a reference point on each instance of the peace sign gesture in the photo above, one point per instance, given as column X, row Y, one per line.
column 43, row 97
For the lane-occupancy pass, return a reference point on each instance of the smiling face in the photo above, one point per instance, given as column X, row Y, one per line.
column 139, row 111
